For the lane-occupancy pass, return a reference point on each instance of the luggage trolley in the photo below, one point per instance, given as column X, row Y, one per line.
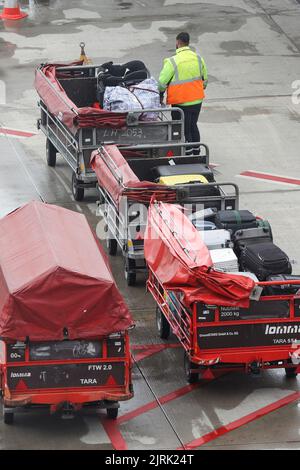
column 265, row 335
column 61, row 347
column 64, row 375
column 77, row 89
column 126, row 223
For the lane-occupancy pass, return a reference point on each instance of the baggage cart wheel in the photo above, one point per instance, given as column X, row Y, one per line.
column 191, row 377
column 8, row 417
column 163, row 325
column 77, row 192
column 130, row 273
column 50, row 153
column 112, row 245
column 291, row 372
column 112, row 413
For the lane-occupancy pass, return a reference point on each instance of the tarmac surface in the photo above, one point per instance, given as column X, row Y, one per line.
column 250, row 121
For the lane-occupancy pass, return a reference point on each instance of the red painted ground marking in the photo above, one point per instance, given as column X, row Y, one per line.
column 112, row 427
column 241, row 422
column 135, row 347
column 112, row 430
column 151, row 349
column 154, row 404
column 270, row 177
column 16, row 132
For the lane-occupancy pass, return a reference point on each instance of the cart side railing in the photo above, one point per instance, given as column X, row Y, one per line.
column 60, row 136
column 58, row 95
column 177, row 315
column 116, row 220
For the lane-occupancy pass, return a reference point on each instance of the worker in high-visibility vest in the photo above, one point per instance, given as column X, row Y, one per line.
column 184, row 78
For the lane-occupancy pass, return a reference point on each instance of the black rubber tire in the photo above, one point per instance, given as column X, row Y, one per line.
column 191, row 377
column 130, row 276
column 163, row 326
column 291, row 373
column 8, row 417
column 50, row 153
column 112, row 246
column 78, row 193
column 112, row 413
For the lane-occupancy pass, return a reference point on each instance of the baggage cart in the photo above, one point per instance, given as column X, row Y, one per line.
column 74, row 129
column 64, row 341
column 65, row 376
column 126, row 222
column 218, row 332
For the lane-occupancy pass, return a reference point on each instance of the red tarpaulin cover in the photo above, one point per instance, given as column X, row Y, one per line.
column 110, row 162
column 58, row 103
column 178, row 256
column 55, row 275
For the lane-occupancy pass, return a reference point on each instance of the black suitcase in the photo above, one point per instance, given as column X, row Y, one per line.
column 265, row 259
column 283, row 289
column 235, row 220
column 184, row 169
column 250, row 236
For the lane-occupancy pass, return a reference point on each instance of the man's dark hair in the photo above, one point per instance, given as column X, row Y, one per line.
column 184, row 38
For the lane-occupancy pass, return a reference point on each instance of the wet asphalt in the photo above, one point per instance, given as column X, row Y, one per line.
column 249, row 121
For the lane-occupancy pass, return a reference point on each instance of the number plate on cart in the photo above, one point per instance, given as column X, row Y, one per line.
column 248, row 335
column 130, row 135
column 108, row 374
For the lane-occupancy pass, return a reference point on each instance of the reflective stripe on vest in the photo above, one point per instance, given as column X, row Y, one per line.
column 184, row 91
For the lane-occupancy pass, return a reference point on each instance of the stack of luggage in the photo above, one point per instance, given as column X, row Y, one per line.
column 251, row 240
column 128, row 87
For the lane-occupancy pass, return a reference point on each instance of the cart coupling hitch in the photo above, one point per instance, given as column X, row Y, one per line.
column 255, row 368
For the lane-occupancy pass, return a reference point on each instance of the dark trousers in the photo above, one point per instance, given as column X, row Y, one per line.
column 191, row 131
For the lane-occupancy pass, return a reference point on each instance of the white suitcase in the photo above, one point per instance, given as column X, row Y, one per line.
column 224, row 259
column 215, row 239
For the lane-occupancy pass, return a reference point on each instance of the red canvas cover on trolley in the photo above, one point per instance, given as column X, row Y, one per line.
column 116, row 177
column 178, row 256
column 56, row 99
column 55, row 278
